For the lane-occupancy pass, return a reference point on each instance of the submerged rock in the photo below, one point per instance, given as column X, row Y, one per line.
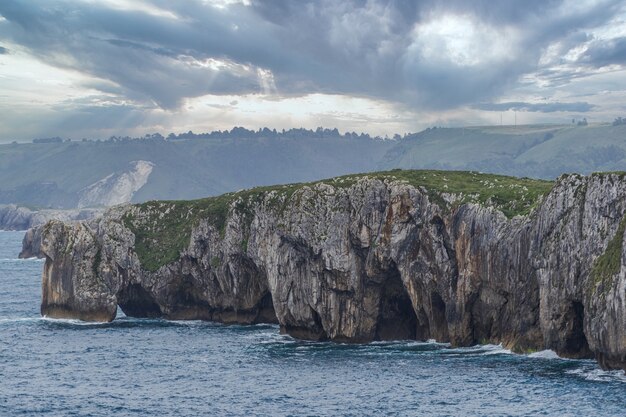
column 456, row 257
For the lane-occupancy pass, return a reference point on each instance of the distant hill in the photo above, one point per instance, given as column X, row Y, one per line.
column 62, row 174
column 70, row 174
column 541, row 151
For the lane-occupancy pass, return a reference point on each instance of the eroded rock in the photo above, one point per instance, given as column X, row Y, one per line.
column 376, row 259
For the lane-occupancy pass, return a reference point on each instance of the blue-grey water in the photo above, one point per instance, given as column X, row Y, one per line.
column 134, row 367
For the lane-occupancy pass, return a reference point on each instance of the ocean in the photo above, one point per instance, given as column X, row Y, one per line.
column 145, row 367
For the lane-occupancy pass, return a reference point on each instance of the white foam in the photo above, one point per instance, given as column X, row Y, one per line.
column 599, row 375
column 487, row 349
column 495, row 350
column 433, row 342
column 22, row 259
column 177, row 322
column 73, row 321
column 277, row 338
column 545, row 354
column 19, row 319
column 429, row 342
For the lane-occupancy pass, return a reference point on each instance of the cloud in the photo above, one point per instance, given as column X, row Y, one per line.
column 152, row 58
column 3, row 50
column 578, row 107
column 426, row 54
column 606, row 52
column 429, row 56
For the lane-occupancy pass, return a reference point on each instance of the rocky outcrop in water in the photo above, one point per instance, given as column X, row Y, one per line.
column 376, row 258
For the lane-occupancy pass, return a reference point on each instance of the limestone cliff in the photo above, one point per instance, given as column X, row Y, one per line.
column 116, row 188
column 13, row 217
column 459, row 257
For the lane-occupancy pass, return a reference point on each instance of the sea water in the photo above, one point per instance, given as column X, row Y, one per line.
column 144, row 367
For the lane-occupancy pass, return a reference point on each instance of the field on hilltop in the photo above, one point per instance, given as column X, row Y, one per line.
column 539, row 151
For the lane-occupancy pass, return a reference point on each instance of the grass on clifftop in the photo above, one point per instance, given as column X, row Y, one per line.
column 163, row 228
column 511, row 195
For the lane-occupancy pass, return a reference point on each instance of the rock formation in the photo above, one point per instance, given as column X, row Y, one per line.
column 116, row 188
column 13, row 217
column 393, row 255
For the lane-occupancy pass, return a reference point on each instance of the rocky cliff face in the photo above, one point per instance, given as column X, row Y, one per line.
column 116, row 188
column 366, row 258
column 13, row 217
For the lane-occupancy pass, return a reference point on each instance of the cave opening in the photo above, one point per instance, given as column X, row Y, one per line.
column 135, row 301
column 439, row 323
column 266, row 312
column 396, row 317
column 314, row 330
column 576, row 345
column 423, row 325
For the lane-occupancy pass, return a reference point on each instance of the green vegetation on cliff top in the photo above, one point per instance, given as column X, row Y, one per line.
column 163, row 228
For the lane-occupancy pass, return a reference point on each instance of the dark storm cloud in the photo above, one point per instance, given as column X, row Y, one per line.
column 3, row 50
column 150, row 57
column 606, row 52
column 579, row 107
column 89, row 118
column 358, row 47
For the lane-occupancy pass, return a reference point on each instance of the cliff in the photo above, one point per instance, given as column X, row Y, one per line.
column 116, row 188
column 14, row 217
column 453, row 256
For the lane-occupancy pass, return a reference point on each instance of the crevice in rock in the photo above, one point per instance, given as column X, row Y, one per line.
column 186, row 300
column 575, row 345
column 135, row 301
column 313, row 331
column 422, row 331
column 396, row 318
column 438, row 324
column 266, row 313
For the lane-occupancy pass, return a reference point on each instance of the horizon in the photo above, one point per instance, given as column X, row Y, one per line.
column 81, row 68
column 392, row 137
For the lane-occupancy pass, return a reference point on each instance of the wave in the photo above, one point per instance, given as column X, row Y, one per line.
column 487, row 349
column 268, row 335
column 33, row 259
column 599, row 375
column 546, row 354
column 73, row 322
column 19, row 319
column 126, row 322
column 121, row 322
column 429, row 342
column 496, row 350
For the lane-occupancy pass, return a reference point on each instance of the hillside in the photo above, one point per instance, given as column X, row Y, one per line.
column 92, row 174
column 541, row 151
column 58, row 174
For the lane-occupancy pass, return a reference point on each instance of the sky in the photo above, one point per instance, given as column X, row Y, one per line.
column 97, row 68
